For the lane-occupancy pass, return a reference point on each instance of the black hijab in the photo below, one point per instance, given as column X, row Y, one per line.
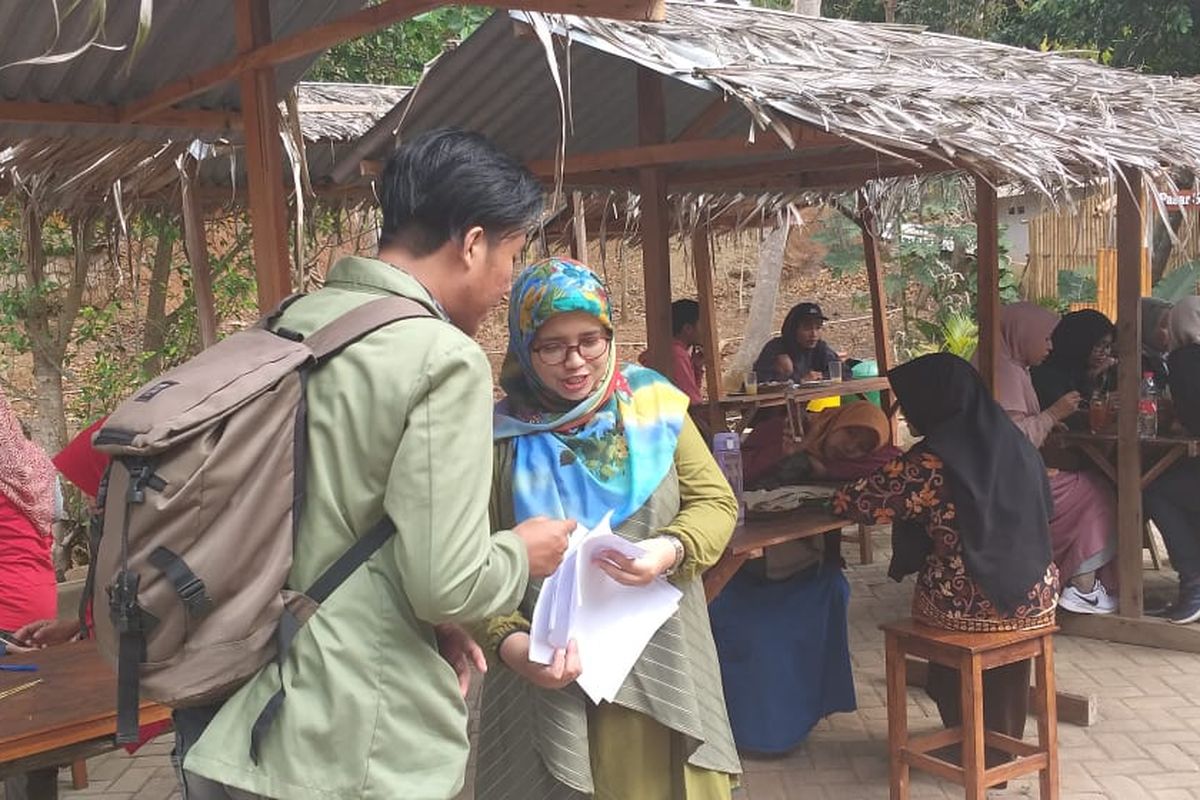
column 1067, row 365
column 995, row 476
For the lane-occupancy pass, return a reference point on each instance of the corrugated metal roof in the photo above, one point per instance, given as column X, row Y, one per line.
column 899, row 96
column 499, row 84
column 185, row 37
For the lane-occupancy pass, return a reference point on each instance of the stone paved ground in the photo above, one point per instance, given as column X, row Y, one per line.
column 1146, row 744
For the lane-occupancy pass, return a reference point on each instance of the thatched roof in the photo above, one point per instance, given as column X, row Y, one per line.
column 74, row 174
column 908, row 99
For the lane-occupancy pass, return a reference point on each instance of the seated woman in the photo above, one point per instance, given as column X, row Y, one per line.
column 837, row 445
column 1080, row 361
column 798, row 353
column 1083, row 528
column 1173, row 500
column 578, row 436
column 27, row 588
column 970, row 507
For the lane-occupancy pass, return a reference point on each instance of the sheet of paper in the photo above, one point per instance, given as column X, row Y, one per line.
column 611, row 623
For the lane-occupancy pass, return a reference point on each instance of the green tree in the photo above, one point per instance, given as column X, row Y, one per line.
column 397, row 55
column 1160, row 37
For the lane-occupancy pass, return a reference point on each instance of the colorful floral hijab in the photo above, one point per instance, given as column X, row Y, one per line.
column 609, row 452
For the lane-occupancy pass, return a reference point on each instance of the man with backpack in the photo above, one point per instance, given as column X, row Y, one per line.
column 399, row 424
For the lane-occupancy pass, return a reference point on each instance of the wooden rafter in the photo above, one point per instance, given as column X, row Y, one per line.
column 352, row 26
column 660, row 155
column 82, row 114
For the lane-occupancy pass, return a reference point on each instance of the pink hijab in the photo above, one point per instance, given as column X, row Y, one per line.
column 26, row 474
column 1024, row 329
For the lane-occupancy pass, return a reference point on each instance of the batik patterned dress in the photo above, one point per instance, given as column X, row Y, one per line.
column 913, row 487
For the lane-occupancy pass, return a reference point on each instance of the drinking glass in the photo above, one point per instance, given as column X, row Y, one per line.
column 750, row 381
column 1098, row 412
column 835, row 370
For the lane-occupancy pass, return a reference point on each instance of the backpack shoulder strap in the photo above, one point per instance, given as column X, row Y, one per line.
column 347, row 329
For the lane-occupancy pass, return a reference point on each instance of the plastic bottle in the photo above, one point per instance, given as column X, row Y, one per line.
column 727, row 448
column 1148, row 407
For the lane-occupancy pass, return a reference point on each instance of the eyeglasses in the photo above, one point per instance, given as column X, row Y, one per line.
column 589, row 348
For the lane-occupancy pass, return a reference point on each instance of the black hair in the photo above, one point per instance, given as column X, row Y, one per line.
column 447, row 181
column 684, row 312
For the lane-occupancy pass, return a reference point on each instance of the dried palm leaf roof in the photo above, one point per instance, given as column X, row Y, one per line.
column 903, row 98
column 79, row 174
column 1040, row 117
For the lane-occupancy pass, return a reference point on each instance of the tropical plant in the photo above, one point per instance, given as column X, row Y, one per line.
column 1179, row 283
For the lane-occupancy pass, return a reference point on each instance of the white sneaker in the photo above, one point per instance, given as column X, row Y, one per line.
column 1097, row 601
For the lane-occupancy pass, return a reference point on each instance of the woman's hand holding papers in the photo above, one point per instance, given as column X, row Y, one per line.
column 660, row 557
column 561, row 671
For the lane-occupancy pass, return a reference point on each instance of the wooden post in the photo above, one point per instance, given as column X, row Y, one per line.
column 710, row 338
column 987, row 251
column 264, row 158
column 656, row 223
column 879, row 310
column 1129, row 349
column 195, row 244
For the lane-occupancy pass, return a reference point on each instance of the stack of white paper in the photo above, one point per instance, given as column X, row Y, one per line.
column 610, row 622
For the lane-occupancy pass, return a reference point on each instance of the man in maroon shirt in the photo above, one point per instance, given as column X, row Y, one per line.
column 687, row 363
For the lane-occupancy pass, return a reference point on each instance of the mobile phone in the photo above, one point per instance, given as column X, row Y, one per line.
column 8, row 639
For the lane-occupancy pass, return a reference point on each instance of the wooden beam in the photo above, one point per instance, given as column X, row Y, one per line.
column 1129, row 349
column 352, row 26
column 710, row 335
column 656, row 222
column 82, row 114
column 660, row 155
column 987, row 252
column 705, row 121
column 1142, row 631
column 195, row 244
column 264, row 159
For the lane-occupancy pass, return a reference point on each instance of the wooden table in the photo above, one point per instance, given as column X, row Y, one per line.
column 70, row 715
column 746, row 406
column 1100, row 448
column 759, row 532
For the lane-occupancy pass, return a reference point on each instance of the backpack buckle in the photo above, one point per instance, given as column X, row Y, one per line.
column 123, row 604
column 195, row 597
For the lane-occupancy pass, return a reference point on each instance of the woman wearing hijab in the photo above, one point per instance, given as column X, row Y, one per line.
column 1156, row 339
column 1080, row 359
column 27, row 588
column 84, row 466
column 1083, row 528
column 838, row 444
column 798, row 353
column 579, row 436
column 1173, row 500
column 970, row 507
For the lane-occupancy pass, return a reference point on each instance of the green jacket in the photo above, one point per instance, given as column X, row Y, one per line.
column 399, row 423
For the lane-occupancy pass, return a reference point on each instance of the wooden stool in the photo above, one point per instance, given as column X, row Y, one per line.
column 970, row 654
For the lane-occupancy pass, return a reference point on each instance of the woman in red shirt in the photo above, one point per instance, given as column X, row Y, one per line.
column 27, row 588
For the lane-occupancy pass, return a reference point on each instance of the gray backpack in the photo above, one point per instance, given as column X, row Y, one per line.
column 201, row 505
